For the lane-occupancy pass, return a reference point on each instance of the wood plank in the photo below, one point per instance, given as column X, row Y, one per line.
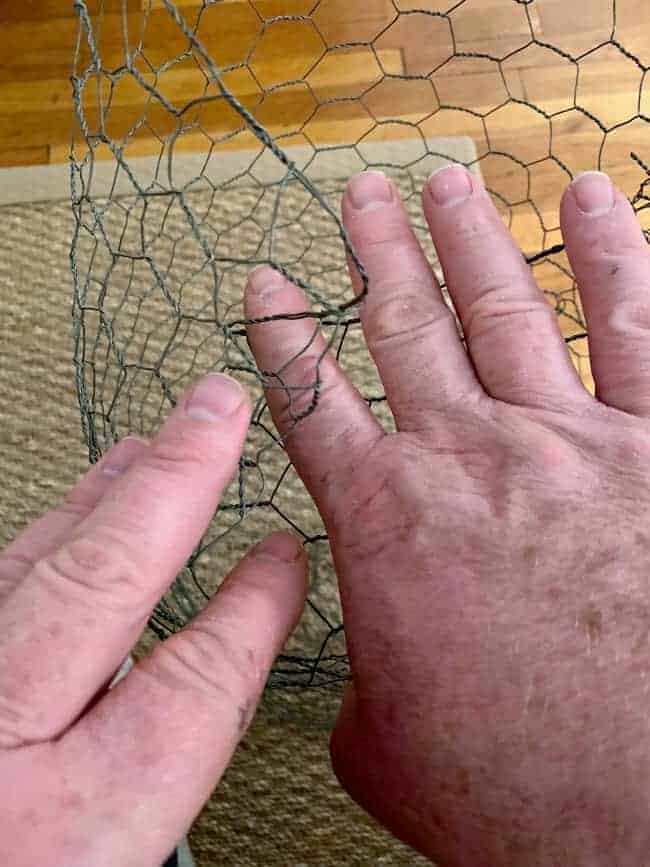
column 498, row 29
column 265, row 8
column 534, row 74
column 31, row 156
column 37, row 11
column 342, row 21
column 24, row 109
column 227, row 32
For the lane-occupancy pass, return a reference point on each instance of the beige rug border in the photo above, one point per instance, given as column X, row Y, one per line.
column 50, row 183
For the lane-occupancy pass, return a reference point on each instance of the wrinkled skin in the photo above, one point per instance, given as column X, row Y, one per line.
column 499, row 647
column 493, row 557
column 96, row 778
column 494, row 553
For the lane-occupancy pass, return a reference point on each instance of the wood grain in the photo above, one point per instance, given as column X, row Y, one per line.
column 36, row 52
column 288, row 72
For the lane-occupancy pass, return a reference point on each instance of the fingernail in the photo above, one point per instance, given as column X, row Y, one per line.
column 214, row 397
column 264, row 280
column 451, row 185
column 280, row 546
column 120, row 457
column 594, row 193
column 368, row 190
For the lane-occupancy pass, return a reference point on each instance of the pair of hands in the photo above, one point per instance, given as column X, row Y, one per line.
column 492, row 554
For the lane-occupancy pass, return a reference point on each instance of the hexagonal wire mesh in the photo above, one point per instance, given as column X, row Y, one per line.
column 218, row 135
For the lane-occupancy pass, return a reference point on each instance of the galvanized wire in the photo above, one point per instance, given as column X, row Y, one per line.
column 189, row 168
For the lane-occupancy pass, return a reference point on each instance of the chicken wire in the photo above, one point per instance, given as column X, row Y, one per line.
column 213, row 137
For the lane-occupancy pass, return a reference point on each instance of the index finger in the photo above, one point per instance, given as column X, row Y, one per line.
column 327, row 427
column 80, row 609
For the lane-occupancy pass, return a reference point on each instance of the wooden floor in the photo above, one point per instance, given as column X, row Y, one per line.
column 288, row 71
column 39, row 35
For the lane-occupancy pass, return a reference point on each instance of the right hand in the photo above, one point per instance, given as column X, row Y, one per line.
column 96, row 778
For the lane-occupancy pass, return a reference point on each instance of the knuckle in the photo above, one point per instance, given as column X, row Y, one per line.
column 7, row 584
column 13, row 564
column 21, row 724
column 176, row 455
column 630, row 317
column 99, row 565
column 407, row 314
column 209, row 663
column 378, row 238
column 77, row 502
column 74, row 506
column 304, row 386
column 496, row 305
column 552, row 455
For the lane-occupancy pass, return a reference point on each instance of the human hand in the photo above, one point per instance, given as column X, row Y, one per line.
column 90, row 777
column 494, row 553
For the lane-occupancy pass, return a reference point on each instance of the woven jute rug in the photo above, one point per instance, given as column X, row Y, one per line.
column 279, row 803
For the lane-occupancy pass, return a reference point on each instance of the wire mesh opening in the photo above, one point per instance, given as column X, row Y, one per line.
column 212, row 137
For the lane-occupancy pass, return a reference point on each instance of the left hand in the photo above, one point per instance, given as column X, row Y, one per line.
column 91, row 777
column 493, row 552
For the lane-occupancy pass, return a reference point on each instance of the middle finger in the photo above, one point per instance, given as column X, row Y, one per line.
column 410, row 331
column 511, row 330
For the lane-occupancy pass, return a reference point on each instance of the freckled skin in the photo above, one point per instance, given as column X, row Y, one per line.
column 94, row 774
column 493, row 558
column 493, row 576
column 489, row 622
column 529, row 553
column 642, row 540
column 592, row 619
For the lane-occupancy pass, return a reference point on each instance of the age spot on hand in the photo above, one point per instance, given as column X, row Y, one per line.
column 529, row 554
column 591, row 618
